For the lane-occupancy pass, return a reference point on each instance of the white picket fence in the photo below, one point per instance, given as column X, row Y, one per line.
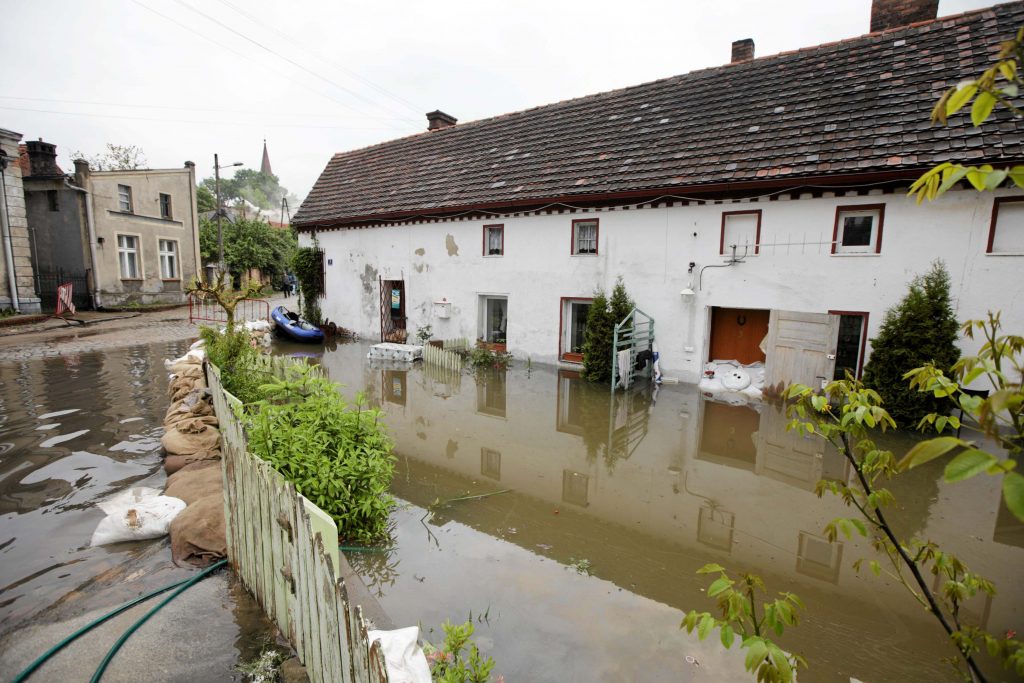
column 443, row 358
column 285, row 551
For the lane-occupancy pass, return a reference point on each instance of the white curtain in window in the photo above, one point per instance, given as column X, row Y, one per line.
column 493, row 241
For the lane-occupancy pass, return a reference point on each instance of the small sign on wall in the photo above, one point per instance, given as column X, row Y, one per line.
column 330, row 262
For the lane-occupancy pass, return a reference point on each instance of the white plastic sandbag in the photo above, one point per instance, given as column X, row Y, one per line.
column 403, row 656
column 135, row 515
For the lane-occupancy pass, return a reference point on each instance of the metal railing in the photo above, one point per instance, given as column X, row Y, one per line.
column 208, row 310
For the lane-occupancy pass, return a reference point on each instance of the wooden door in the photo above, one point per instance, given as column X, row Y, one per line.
column 801, row 349
column 737, row 333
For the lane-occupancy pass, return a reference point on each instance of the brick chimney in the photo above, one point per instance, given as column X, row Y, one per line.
column 742, row 50
column 886, row 14
column 42, row 159
column 437, row 120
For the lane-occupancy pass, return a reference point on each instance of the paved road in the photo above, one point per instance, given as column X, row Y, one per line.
column 104, row 330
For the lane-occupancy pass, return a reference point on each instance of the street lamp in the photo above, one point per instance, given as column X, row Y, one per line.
column 220, row 233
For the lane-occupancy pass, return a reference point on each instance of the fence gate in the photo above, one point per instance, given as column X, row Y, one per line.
column 208, row 310
column 47, row 282
column 392, row 311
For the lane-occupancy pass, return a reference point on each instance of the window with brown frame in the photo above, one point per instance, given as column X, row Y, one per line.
column 741, row 229
column 1006, row 232
column 584, row 237
column 165, row 205
column 858, row 229
column 494, row 240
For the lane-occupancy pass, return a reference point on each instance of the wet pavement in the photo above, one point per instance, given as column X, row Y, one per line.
column 641, row 491
column 74, row 429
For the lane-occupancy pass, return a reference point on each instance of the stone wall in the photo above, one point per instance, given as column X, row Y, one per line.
column 20, row 245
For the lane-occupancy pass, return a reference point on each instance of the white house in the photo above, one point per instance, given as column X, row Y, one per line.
column 756, row 210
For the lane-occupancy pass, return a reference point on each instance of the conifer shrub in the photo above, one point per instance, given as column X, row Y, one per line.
column 920, row 329
column 605, row 313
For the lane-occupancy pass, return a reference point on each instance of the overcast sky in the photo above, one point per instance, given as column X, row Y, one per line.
column 184, row 79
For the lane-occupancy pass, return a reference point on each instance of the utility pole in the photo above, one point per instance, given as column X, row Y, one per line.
column 220, row 233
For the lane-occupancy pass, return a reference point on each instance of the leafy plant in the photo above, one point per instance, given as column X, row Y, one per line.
column 338, row 457
column 920, row 329
column 307, row 263
column 846, row 415
column 581, row 566
column 235, row 353
column 737, row 601
column 482, row 359
column 221, row 291
column 999, row 416
column 266, row 668
column 423, row 334
column 449, row 665
column 249, row 243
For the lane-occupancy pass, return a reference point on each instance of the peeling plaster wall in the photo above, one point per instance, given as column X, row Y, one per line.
column 651, row 249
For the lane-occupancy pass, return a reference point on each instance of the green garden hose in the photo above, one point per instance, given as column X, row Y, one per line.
column 145, row 617
column 21, row 677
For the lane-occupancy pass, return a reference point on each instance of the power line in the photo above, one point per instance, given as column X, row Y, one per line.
column 279, row 55
column 170, row 107
column 247, row 58
column 332, row 63
column 257, row 124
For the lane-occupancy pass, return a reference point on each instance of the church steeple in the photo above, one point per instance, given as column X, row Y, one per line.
column 265, row 166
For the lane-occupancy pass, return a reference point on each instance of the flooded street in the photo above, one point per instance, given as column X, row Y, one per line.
column 74, row 430
column 582, row 570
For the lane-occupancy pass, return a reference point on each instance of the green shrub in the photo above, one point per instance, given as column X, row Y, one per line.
column 448, row 665
column 308, row 266
column 920, row 329
column 605, row 313
column 482, row 359
column 338, row 457
column 238, row 359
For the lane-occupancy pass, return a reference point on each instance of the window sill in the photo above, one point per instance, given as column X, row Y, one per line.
column 573, row 358
column 854, row 254
column 170, row 279
column 493, row 255
column 1005, row 253
column 583, row 254
column 132, row 279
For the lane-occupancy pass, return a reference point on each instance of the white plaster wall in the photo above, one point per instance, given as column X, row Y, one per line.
column 651, row 249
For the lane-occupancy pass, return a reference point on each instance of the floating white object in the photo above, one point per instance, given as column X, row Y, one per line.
column 736, row 379
column 135, row 515
column 403, row 656
column 400, row 352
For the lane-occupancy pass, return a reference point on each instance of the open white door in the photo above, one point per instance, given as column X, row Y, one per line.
column 801, row 349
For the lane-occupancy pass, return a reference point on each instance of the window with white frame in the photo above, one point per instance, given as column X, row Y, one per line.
column 741, row 229
column 494, row 240
column 128, row 256
column 124, row 198
column 584, row 236
column 493, row 319
column 169, row 259
column 165, row 205
column 858, row 229
column 1006, row 233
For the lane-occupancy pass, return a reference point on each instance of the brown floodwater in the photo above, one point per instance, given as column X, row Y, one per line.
column 640, row 491
column 75, row 430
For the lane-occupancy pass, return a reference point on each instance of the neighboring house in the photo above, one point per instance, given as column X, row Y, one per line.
column 17, row 281
column 120, row 237
column 756, row 210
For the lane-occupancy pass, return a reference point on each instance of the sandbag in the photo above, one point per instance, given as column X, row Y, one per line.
column 192, row 357
column 198, row 534
column 192, row 405
column 192, row 436
column 135, row 515
column 195, row 481
column 188, row 371
column 175, row 463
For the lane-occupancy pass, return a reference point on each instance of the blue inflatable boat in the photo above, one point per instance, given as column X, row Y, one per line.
column 290, row 325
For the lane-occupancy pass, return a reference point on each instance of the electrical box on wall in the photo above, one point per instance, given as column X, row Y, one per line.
column 443, row 309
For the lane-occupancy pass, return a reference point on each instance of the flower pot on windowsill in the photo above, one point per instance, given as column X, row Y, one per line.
column 436, row 343
column 498, row 347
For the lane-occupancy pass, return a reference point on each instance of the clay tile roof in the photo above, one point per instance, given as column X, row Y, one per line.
column 852, row 107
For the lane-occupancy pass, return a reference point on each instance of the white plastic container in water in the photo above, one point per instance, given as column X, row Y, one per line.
column 736, row 379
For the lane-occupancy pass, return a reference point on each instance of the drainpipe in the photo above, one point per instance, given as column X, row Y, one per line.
column 82, row 176
column 5, row 229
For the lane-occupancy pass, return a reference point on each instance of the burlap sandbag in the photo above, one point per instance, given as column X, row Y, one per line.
column 198, row 534
column 180, row 411
column 183, row 365
column 195, row 481
column 176, row 463
column 192, row 436
column 180, row 387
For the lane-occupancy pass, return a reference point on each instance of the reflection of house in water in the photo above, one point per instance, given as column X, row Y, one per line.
column 739, row 436
column 612, row 423
column 491, row 393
